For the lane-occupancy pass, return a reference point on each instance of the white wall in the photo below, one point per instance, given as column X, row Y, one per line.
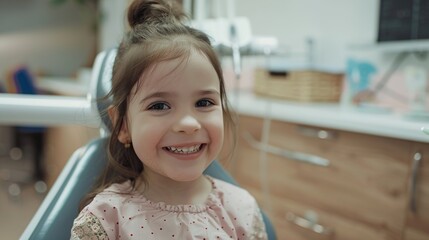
column 53, row 40
column 113, row 24
column 335, row 26
column 332, row 24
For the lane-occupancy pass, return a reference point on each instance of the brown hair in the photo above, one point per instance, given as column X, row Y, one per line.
column 156, row 34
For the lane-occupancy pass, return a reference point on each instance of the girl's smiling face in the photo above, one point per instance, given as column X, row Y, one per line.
column 174, row 118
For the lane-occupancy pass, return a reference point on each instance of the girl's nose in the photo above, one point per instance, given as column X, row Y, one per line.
column 187, row 124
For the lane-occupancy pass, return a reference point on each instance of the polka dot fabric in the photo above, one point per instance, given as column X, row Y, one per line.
column 229, row 213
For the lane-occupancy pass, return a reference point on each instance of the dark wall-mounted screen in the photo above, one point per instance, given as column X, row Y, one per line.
column 401, row 20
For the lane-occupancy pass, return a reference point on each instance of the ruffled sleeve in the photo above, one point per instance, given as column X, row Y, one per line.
column 87, row 227
column 260, row 232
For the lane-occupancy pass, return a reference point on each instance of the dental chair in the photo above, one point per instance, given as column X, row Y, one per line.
column 54, row 218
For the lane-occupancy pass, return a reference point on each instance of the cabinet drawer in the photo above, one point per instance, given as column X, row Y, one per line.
column 360, row 195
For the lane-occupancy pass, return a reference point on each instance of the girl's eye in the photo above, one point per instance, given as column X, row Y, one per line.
column 204, row 103
column 159, row 106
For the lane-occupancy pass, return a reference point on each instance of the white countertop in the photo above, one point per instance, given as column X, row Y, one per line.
column 64, row 86
column 329, row 115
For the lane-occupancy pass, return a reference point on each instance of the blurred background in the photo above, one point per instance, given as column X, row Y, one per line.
column 342, row 80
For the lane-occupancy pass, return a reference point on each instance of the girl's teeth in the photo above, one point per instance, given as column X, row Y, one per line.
column 185, row 150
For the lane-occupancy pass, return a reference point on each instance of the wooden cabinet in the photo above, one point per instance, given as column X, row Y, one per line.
column 362, row 194
column 417, row 222
column 60, row 143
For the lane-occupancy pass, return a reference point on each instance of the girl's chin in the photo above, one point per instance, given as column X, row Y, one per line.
column 187, row 177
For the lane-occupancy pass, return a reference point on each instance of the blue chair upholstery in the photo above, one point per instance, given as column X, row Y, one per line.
column 54, row 218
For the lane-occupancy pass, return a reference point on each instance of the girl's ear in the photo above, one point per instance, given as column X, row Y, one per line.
column 124, row 135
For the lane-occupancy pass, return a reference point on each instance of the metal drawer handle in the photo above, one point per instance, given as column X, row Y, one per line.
column 297, row 156
column 317, row 133
column 309, row 222
column 425, row 130
column 413, row 184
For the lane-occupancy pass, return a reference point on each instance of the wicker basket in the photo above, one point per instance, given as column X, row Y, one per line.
column 305, row 86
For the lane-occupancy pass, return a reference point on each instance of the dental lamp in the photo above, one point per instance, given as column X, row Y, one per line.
column 231, row 35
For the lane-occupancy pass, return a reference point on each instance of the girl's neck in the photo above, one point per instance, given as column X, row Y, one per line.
column 162, row 189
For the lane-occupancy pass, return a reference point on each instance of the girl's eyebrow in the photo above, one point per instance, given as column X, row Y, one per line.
column 169, row 94
column 157, row 95
column 209, row 92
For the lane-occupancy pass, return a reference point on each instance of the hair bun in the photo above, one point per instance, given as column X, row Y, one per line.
column 149, row 11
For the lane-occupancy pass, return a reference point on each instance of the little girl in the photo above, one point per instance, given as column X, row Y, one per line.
column 168, row 114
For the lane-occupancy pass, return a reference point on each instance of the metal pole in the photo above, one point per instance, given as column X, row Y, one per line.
column 46, row 110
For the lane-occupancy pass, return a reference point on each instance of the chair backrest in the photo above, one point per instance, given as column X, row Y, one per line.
column 54, row 218
column 100, row 85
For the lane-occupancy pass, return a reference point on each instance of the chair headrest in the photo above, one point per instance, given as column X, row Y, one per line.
column 101, row 83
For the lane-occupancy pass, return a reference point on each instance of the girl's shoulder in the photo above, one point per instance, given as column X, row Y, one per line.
column 113, row 195
column 232, row 196
column 229, row 189
column 238, row 206
column 87, row 226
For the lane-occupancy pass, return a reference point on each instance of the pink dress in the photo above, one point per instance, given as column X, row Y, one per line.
column 229, row 213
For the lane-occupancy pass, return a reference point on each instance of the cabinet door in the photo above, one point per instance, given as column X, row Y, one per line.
column 360, row 195
column 417, row 224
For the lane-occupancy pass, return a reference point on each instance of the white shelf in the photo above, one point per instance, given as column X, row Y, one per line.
column 387, row 124
column 63, row 86
column 394, row 46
